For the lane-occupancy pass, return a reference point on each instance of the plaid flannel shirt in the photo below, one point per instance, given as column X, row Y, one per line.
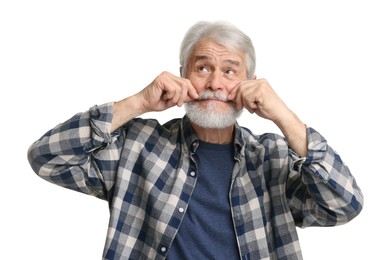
column 147, row 174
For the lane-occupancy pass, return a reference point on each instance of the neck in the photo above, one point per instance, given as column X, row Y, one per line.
column 214, row 135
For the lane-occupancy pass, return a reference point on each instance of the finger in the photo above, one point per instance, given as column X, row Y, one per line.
column 233, row 92
column 250, row 105
column 192, row 92
column 183, row 95
column 168, row 93
column 187, row 90
column 238, row 98
column 249, row 99
column 178, row 90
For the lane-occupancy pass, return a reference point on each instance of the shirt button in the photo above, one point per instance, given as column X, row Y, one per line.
column 163, row 249
column 181, row 210
column 192, row 174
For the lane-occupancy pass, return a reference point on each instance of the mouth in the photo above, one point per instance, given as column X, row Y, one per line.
column 215, row 102
column 211, row 99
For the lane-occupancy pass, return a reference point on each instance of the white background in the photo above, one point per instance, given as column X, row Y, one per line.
column 328, row 60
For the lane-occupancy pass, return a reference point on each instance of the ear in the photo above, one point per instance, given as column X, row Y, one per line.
column 254, row 77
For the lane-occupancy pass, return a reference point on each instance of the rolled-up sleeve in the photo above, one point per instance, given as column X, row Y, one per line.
column 323, row 191
column 80, row 154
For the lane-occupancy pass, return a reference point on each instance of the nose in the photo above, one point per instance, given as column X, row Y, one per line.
column 216, row 81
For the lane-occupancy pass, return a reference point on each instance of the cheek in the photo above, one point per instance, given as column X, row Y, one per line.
column 198, row 83
column 232, row 84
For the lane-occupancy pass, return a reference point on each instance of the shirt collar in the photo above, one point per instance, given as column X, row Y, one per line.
column 191, row 140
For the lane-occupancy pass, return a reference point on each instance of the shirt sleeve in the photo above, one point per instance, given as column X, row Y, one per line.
column 80, row 154
column 321, row 189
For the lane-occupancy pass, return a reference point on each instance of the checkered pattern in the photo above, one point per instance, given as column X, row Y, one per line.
column 146, row 173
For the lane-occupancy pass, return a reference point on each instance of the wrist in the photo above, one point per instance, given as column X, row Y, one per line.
column 125, row 110
column 294, row 130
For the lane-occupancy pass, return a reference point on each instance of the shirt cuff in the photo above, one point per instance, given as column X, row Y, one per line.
column 100, row 122
column 317, row 150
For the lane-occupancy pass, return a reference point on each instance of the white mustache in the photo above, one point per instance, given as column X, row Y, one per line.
column 212, row 95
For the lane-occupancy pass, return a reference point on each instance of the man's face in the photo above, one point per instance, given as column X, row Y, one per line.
column 214, row 71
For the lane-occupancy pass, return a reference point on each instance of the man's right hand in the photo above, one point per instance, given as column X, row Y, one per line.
column 165, row 91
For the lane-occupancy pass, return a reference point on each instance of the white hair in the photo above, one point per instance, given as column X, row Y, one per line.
column 222, row 33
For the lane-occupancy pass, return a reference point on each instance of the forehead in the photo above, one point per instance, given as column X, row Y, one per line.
column 209, row 50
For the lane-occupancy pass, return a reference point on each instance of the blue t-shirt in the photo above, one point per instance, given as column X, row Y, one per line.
column 207, row 230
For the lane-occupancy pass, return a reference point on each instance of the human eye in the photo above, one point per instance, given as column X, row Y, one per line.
column 229, row 71
column 202, row 69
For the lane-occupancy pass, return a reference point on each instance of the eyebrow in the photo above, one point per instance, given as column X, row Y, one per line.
column 205, row 57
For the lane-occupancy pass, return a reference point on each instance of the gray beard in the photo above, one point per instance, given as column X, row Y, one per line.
column 209, row 118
